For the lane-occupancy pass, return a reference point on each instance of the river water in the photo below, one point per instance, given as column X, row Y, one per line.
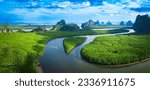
column 55, row 60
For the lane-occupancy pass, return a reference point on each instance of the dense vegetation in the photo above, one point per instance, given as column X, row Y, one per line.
column 70, row 27
column 62, row 26
column 120, row 49
column 18, row 51
column 56, row 34
column 71, row 42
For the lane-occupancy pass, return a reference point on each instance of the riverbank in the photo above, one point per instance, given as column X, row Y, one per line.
column 125, row 65
column 72, row 42
column 38, row 68
column 117, row 50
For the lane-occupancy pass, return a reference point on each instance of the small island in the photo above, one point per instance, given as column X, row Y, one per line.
column 72, row 42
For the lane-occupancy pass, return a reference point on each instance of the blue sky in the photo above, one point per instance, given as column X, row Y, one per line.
column 73, row 11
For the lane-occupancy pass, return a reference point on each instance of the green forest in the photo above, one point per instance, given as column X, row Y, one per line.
column 19, row 51
column 72, row 42
column 119, row 49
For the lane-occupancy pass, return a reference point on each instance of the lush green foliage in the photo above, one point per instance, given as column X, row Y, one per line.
column 18, row 51
column 57, row 34
column 71, row 42
column 70, row 27
column 121, row 49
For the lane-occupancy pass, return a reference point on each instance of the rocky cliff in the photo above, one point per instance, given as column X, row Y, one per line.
column 142, row 24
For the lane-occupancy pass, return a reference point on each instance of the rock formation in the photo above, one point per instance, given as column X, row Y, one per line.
column 142, row 24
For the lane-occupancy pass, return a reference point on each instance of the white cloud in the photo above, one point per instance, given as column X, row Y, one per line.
column 79, row 13
column 133, row 5
column 86, row 4
column 62, row 4
column 68, row 4
column 34, row 3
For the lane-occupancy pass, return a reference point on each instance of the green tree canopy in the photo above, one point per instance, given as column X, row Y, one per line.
column 108, row 23
column 122, row 23
column 129, row 23
column 61, row 22
column 70, row 27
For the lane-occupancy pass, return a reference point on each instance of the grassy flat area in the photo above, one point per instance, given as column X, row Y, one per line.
column 18, row 51
column 120, row 49
column 71, row 42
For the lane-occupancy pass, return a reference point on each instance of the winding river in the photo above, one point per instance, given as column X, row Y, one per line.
column 55, row 60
